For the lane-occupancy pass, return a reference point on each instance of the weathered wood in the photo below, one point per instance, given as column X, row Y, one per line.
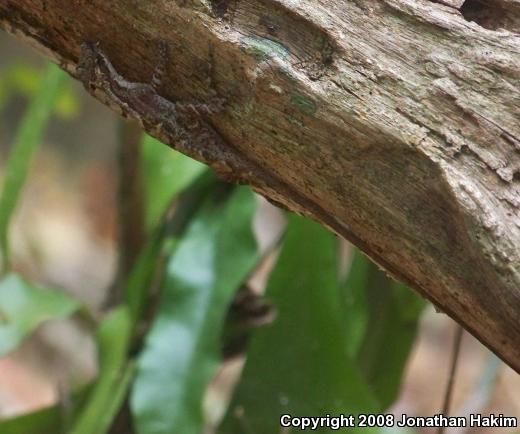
column 394, row 122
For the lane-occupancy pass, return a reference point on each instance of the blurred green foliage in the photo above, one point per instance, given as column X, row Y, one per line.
column 115, row 373
column 54, row 419
column 28, row 137
column 23, row 307
column 381, row 321
column 165, row 174
column 27, row 81
column 336, row 345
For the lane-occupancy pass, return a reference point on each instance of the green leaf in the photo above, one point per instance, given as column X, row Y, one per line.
column 137, row 287
column 355, row 301
column 300, row 364
column 182, row 350
column 118, row 394
column 381, row 317
column 23, row 307
column 45, row 420
column 27, row 139
column 52, row 419
column 390, row 313
column 115, row 374
column 165, row 174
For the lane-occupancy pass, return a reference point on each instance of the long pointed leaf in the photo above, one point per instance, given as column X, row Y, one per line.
column 27, row 139
column 182, row 350
column 115, row 373
column 393, row 314
column 381, row 322
column 137, row 287
column 300, row 365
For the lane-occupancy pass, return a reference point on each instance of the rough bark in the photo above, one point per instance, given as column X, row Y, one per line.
column 396, row 123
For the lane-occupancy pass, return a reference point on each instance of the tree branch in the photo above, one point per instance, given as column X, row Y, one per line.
column 396, row 123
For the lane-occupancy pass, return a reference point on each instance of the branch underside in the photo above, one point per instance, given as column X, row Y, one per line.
column 396, row 123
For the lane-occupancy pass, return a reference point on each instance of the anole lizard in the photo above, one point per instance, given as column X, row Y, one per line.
column 184, row 125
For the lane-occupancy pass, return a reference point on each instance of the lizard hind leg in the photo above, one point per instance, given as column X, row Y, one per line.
column 190, row 114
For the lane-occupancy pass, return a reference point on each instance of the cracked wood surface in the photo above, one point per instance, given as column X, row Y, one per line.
column 396, row 123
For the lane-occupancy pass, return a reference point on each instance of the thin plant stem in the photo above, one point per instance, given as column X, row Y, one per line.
column 455, row 353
